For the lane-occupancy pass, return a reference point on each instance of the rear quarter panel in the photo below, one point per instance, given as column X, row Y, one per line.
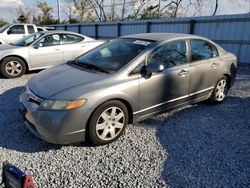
column 230, row 65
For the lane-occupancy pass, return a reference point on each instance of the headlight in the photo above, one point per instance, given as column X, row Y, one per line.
column 61, row 104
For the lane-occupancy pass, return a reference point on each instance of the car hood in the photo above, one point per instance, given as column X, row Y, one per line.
column 60, row 78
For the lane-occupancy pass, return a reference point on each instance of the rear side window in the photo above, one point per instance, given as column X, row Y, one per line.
column 39, row 29
column 169, row 54
column 31, row 29
column 68, row 38
column 202, row 50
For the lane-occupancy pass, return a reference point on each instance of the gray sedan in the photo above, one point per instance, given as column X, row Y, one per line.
column 42, row 50
column 124, row 81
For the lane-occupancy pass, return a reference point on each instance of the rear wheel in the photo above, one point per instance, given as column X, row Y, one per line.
column 220, row 90
column 12, row 67
column 108, row 122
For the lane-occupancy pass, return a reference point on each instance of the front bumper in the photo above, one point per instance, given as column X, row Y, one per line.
column 58, row 127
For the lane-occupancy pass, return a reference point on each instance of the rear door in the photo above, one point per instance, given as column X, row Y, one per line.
column 170, row 87
column 47, row 52
column 205, row 66
column 72, row 46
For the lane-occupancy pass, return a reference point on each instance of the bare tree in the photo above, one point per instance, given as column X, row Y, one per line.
column 98, row 7
column 138, row 7
column 172, row 8
column 80, row 8
column 195, row 5
column 123, row 9
column 216, row 7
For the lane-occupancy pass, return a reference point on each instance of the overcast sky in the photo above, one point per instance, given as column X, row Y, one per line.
column 8, row 7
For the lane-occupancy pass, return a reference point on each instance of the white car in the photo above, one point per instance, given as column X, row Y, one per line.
column 42, row 50
column 40, row 28
column 13, row 32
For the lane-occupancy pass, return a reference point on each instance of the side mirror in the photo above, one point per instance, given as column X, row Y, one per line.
column 154, row 68
column 38, row 45
column 9, row 32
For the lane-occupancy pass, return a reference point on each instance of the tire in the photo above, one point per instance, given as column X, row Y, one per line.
column 220, row 90
column 108, row 122
column 12, row 67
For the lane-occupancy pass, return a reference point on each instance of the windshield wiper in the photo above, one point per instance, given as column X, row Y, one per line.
column 91, row 66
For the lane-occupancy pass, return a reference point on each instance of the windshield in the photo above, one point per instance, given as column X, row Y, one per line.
column 26, row 41
column 114, row 54
column 2, row 29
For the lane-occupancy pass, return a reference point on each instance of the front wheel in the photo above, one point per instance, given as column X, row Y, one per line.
column 12, row 67
column 108, row 122
column 220, row 90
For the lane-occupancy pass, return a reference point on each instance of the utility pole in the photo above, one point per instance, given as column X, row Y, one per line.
column 58, row 11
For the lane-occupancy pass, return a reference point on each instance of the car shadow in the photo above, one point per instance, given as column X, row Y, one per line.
column 27, row 73
column 14, row 134
column 206, row 145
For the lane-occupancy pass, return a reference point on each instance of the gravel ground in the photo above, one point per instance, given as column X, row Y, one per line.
column 199, row 146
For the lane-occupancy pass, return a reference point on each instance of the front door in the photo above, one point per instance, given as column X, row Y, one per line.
column 48, row 52
column 15, row 33
column 170, row 87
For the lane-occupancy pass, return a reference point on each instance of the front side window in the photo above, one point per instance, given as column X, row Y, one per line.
column 202, row 50
column 68, row 38
column 16, row 29
column 169, row 54
column 50, row 40
column 31, row 29
column 113, row 55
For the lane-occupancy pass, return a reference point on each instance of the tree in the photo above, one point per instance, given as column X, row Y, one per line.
column 23, row 16
column 216, row 7
column 150, row 12
column 2, row 22
column 99, row 9
column 45, row 17
column 172, row 8
column 78, row 7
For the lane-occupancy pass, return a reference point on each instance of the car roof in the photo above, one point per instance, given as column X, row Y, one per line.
column 160, row 36
column 58, row 31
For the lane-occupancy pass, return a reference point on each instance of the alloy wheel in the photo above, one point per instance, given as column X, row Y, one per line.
column 221, row 90
column 13, row 68
column 110, row 123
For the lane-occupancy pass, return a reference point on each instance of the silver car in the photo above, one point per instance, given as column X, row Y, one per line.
column 124, row 81
column 42, row 50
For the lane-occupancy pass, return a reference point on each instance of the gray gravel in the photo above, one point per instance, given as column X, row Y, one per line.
column 202, row 145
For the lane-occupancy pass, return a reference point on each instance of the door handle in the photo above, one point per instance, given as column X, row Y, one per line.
column 214, row 65
column 83, row 46
column 183, row 73
column 57, row 49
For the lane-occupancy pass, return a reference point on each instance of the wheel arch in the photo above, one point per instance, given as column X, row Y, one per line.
column 125, row 102
column 228, row 79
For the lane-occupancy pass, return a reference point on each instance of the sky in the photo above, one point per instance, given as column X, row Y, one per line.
column 8, row 7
